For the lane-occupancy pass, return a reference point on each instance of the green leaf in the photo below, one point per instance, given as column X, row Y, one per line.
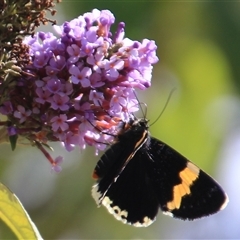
column 13, row 141
column 15, row 216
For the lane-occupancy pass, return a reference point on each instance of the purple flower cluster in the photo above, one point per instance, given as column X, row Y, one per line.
column 79, row 85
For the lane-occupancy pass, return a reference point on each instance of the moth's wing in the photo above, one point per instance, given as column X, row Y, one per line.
column 131, row 198
column 108, row 168
column 183, row 190
column 156, row 176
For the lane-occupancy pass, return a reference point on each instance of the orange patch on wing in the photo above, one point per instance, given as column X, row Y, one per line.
column 188, row 175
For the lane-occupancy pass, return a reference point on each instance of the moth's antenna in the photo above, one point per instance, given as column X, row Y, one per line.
column 140, row 105
column 169, row 97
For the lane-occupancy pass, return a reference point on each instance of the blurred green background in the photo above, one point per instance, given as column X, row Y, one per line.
column 198, row 46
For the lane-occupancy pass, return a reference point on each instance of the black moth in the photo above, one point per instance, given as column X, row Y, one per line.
column 139, row 174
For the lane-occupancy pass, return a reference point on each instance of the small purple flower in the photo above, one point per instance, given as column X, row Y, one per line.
column 80, row 76
column 21, row 113
column 11, row 131
column 43, row 95
column 40, row 59
column 59, row 122
column 54, row 85
column 6, row 108
column 59, row 102
column 55, row 165
column 57, row 63
column 96, row 80
column 112, row 67
column 74, row 52
column 70, row 140
column 67, row 88
column 96, row 97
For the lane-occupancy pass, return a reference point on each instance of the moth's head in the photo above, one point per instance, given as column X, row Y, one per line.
column 141, row 122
